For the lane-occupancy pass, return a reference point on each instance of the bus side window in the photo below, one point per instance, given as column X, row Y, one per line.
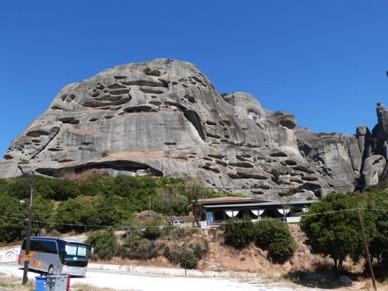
column 48, row 247
column 34, row 246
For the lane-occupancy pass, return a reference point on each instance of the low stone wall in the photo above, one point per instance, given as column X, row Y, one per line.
column 11, row 254
column 173, row 271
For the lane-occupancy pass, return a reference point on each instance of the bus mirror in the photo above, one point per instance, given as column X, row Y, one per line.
column 91, row 250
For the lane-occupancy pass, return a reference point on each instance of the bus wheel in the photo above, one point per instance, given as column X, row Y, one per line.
column 50, row 270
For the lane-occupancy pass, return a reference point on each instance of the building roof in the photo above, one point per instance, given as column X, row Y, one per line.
column 227, row 200
column 223, row 202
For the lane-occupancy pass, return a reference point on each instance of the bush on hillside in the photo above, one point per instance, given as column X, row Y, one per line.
column 171, row 255
column 189, row 260
column 144, row 250
column 104, row 244
column 177, row 233
column 183, row 256
column 152, row 228
column 239, row 233
column 274, row 236
column 200, row 251
column 134, row 235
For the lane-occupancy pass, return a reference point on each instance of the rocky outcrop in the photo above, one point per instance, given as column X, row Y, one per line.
column 164, row 117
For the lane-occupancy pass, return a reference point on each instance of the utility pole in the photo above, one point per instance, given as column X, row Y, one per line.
column 29, row 226
column 366, row 249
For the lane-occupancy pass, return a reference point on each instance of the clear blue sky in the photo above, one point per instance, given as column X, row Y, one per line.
column 323, row 61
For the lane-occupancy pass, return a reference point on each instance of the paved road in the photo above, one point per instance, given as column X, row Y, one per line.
column 148, row 282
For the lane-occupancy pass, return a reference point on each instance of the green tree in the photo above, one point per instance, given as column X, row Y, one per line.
column 379, row 243
column 13, row 223
column 194, row 191
column 274, row 236
column 332, row 229
column 376, row 219
column 169, row 201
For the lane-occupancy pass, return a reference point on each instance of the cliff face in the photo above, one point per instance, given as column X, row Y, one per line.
column 164, row 117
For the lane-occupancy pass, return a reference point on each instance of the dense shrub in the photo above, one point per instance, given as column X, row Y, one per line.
column 239, row 233
column 73, row 214
column 61, row 190
column 134, row 235
column 274, row 236
column 171, row 255
column 13, row 222
column 89, row 212
column 19, row 188
column 144, row 250
column 186, row 258
column 104, row 244
column 189, row 260
column 83, row 202
column 200, row 251
column 177, row 233
column 13, row 217
column 152, row 229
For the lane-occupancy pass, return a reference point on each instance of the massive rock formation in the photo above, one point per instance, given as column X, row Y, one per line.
column 164, row 117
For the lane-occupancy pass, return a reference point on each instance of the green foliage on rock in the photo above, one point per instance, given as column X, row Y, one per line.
column 151, row 72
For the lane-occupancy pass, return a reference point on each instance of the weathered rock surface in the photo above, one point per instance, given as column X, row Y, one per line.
column 164, row 117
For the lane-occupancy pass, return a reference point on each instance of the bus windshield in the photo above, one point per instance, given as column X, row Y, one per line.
column 75, row 255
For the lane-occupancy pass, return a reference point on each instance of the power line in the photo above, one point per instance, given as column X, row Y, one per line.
column 158, row 226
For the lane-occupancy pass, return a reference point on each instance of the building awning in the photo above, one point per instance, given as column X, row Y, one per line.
column 258, row 205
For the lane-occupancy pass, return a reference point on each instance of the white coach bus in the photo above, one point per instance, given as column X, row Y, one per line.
column 54, row 255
